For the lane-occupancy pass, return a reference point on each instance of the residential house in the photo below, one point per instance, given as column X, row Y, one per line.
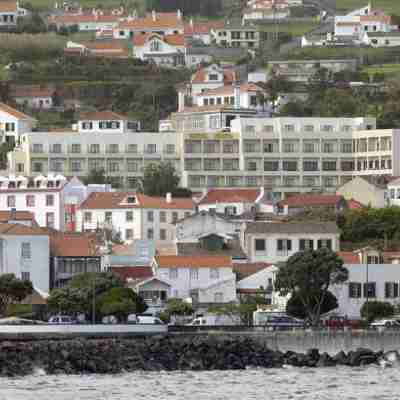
column 133, row 215
column 24, row 252
column 368, row 192
column 195, row 56
column 237, row 34
column 207, row 280
column 26, row 218
column 201, row 31
column 13, row 123
column 166, row 50
column 34, row 97
column 72, row 254
column 297, row 204
column 10, row 11
column 266, row 10
column 154, row 22
column 98, row 48
column 382, row 39
column 42, row 196
column 275, row 242
column 235, row 202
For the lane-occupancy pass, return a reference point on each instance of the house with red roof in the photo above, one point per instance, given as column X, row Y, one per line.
column 10, row 11
column 34, row 96
column 98, row 48
column 167, row 50
column 133, row 215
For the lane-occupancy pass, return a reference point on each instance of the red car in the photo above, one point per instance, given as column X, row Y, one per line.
column 337, row 322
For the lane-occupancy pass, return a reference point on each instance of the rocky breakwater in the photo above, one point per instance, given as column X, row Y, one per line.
column 164, row 353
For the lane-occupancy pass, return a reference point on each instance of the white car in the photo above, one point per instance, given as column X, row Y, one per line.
column 386, row 323
column 148, row 319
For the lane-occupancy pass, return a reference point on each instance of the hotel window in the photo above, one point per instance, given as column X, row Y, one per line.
column 108, row 217
column 214, row 273
column 369, row 290
column 250, row 128
column 150, row 216
column 271, row 165
column 328, row 147
column 87, row 125
column 289, row 147
column 326, row 128
column 324, row 244
column 289, row 128
column 155, row 46
column 174, row 217
column 128, row 234
column 306, row 244
column 347, row 147
column 150, row 234
column 194, row 274
column 310, row 166
column 94, row 148
column 251, row 146
column 391, row 290
column 75, row 148
column 329, row 165
column 50, row 220
column 354, row 290
column 10, row 201
column 129, row 216
column 25, row 276
column 113, row 166
column 289, row 165
column 10, row 126
column 259, row 244
column 37, row 148
column 309, row 147
column 170, row 148
column 87, row 216
column 173, row 273
column 211, row 146
column 163, row 216
column 268, row 128
column 26, row 251
column 214, row 121
column 112, row 148
column 284, row 246
column 37, row 167
column 56, row 148
column 151, row 148
column 132, row 148
column 163, row 234
column 133, row 166
column 76, row 166
column 30, row 200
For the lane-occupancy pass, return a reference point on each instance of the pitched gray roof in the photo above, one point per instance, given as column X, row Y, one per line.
column 292, row 227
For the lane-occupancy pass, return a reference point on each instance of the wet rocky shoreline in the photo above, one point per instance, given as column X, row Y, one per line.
column 111, row 356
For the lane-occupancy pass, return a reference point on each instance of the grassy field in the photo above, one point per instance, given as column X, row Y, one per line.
column 387, row 69
column 294, row 28
column 130, row 4
column 391, row 6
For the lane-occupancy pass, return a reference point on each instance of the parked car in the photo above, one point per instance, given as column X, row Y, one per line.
column 340, row 322
column 132, row 319
column 386, row 323
column 149, row 319
column 62, row 320
column 109, row 319
column 282, row 322
column 214, row 320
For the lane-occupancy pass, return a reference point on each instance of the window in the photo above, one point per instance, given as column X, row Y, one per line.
column 10, row 126
column 75, row 148
column 170, row 148
column 174, row 217
column 391, row 290
column 150, row 216
column 94, row 148
column 329, row 165
column 112, row 148
column 56, row 148
column 354, row 290
column 250, row 128
column 289, row 128
column 173, row 273
column 37, row 167
column 306, row 244
column 369, row 290
column 87, row 217
column 289, row 165
column 214, row 273
column 11, row 201
column 326, row 128
column 309, row 128
column 50, row 220
column 163, row 216
column 132, row 148
column 289, row 147
column 194, row 274
column 268, row 128
column 309, row 147
column 108, row 217
column 129, row 216
column 133, row 166
column 284, row 246
column 26, row 251
column 325, row 244
column 347, row 147
column 155, row 45
column 49, row 200
column 218, row 297
column 128, row 234
column 87, row 125
column 37, row 148
column 151, row 149
column 187, row 214
column 20, row 167
column 163, row 234
column 259, row 244
column 30, row 200
column 25, row 276
column 150, row 234
column 76, row 166
column 271, row 165
column 328, row 147
column 372, row 259
column 212, row 77
column 310, row 165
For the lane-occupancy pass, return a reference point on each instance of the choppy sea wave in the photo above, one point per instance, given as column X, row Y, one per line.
column 338, row 383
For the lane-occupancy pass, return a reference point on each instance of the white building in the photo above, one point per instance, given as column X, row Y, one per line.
column 234, row 34
column 34, row 97
column 382, row 39
column 24, row 252
column 42, row 196
column 133, row 215
column 276, row 242
column 10, row 11
column 166, row 50
column 14, row 123
column 204, row 279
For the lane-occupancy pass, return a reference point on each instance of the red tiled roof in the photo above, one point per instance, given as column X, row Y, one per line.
column 243, row 270
column 200, row 76
column 230, row 196
column 8, row 6
column 133, row 273
column 354, row 205
column 173, row 40
column 311, row 200
column 229, row 89
column 15, row 113
column 104, row 45
column 349, row 257
column 72, row 245
column 6, row 216
column 193, row 261
column 33, row 91
column 101, row 116
column 162, row 21
column 20, row 230
column 116, row 200
column 202, row 28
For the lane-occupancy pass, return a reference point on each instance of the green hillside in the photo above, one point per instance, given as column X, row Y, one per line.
column 391, row 6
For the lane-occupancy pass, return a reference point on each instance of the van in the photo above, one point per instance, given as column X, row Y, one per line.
column 148, row 319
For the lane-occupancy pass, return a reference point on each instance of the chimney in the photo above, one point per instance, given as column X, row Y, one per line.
column 154, row 15
column 168, row 198
column 179, row 14
column 236, row 94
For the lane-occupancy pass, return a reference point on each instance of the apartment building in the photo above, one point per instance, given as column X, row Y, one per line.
column 42, row 196
column 10, row 11
column 133, row 215
column 237, row 34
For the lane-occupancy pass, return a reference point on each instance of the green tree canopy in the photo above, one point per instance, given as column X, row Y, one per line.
column 12, row 290
column 377, row 310
column 308, row 275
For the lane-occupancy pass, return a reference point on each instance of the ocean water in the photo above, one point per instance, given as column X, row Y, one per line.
column 338, row 383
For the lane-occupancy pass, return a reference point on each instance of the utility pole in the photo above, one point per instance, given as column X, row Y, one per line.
column 94, row 300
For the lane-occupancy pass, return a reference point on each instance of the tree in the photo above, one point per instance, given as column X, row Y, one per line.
column 160, row 179
column 12, row 290
column 296, row 309
column 308, row 275
column 121, row 302
column 376, row 310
